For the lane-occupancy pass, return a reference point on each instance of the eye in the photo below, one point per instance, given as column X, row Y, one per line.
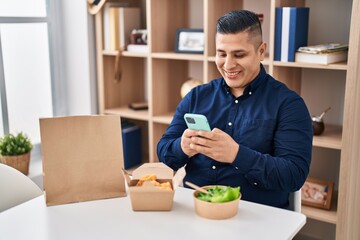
column 221, row 54
column 240, row 55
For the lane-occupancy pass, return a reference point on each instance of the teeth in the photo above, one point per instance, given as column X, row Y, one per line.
column 232, row 73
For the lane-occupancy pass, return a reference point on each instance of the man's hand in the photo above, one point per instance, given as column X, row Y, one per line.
column 186, row 141
column 216, row 144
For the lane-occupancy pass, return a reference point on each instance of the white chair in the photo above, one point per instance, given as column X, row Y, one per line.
column 295, row 201
column 15, row 188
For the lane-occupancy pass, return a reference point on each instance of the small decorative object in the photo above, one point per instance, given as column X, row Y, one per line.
column 94, row 6
column 138, row 105
column 15, row 151
column 318, row 123
column 189, row 40
column 317, row 193
column 261, row 17
column 188, row 85
column 138, row 36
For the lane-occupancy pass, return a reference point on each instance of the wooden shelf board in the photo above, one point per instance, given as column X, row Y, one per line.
column 135, row 54
column 333, row 66
column 331, row 138
column 165, row 118
column 129, row 113
column 324, row 215
column 211, row 59
column 125, row 53
column 178, row 56
column 109, row 52
column 266, row 61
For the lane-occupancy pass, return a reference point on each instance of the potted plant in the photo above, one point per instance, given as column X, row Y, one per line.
column 15, row 151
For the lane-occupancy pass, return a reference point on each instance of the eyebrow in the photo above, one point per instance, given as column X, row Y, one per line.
column 234, row 51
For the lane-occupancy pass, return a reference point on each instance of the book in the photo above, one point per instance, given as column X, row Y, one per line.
column 294, row 31
column 321, row 58
column 324, row 48
column 142, row 48
column 278, row 27
column 118, row 24
column 131, row 139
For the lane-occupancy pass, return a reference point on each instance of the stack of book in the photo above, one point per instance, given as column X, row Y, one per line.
column 322, row 54
column 118, row 22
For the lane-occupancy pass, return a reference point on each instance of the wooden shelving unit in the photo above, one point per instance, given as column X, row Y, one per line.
column 157, row 76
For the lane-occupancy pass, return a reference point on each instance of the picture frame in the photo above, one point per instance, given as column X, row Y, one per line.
column 317, row 193
column 190, row 40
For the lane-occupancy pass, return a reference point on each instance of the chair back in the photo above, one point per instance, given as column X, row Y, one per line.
column 15, row 187
column 295, row 201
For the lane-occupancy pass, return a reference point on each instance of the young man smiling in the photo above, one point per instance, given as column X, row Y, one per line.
column 261, row 138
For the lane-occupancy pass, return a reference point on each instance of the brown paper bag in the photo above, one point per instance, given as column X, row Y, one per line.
column 82, row 158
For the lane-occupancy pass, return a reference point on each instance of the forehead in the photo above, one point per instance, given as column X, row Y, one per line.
column 225, row 41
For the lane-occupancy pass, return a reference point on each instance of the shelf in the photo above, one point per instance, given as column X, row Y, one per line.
column 324, row 215
column 266, row 61
column 331, row 138
column 211, row 59
column 334, row 66
column 125, row 53
column 158, row 75
column 178, row 56
column 129, row 113
column 165, row 119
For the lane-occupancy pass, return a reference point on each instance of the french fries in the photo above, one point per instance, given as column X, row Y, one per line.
column 152, row 178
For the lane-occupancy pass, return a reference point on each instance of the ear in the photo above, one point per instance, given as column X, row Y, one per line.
column 262, row 50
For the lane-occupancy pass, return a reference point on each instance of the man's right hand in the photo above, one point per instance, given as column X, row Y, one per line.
column 186, row 141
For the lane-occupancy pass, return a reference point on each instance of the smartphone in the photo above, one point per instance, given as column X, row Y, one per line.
column 197, row 122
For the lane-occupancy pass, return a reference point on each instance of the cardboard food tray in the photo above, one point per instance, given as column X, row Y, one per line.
column 149, row 197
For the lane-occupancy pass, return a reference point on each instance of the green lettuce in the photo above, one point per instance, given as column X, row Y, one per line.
column 219, row 194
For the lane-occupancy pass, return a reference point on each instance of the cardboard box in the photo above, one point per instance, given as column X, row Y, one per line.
column 149, row 197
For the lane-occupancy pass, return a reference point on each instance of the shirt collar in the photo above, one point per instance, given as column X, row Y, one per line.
column 253, row 85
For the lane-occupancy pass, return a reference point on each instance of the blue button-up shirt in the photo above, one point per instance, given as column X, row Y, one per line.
column 270, row 123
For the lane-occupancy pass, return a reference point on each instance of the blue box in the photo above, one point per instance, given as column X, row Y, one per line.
column 131, row 138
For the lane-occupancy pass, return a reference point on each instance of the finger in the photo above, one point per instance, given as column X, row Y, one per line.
column 201, row 141
column 190, row 133
column 205, row 134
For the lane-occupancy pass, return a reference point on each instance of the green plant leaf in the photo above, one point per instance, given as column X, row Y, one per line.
column 11, row 145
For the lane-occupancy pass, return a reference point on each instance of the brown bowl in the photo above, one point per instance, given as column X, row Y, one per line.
column 216, row 210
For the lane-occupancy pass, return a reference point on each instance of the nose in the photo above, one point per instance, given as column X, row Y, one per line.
column 229, row 62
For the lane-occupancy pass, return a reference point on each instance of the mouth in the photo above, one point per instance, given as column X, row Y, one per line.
column 232, row 75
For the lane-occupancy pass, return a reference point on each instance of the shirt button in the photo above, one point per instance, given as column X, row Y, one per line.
column 213, row 167
column 230, row 124
column 250, row 93
column 236, row 168
column 255, row 184
column 236, row 101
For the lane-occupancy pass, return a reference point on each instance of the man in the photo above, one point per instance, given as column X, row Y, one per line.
column 261, row 138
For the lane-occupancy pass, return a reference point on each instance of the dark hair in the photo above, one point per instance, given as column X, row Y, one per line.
column 239, row 21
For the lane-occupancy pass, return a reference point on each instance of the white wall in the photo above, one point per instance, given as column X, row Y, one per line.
column 76, row 51
column 74, row 83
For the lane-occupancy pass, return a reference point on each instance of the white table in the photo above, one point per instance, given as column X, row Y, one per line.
column 114, row 219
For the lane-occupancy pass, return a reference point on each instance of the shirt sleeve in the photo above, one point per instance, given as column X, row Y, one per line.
column 287, row 167
column 169, row 147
